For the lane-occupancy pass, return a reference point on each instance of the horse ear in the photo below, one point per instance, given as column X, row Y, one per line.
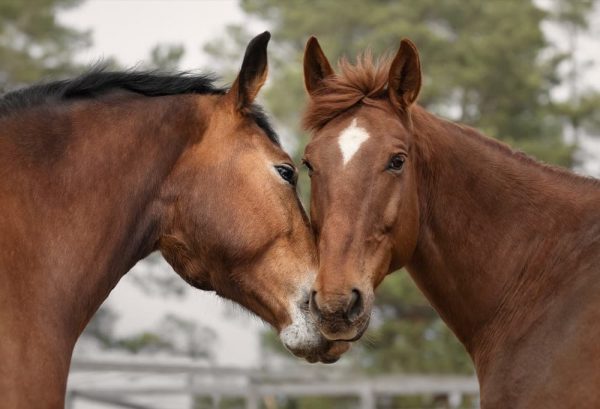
column 253, row 73
column 404, row 82
column 316, row 65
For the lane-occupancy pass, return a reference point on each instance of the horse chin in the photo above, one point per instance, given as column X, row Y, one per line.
column 327, row 353
column 332, row 353
column 303, row 339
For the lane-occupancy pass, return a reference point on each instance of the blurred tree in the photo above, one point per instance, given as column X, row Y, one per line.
column 175, row 335
column 101, row 327
column 581, row 109
column 34, row 44
column 187, row 337
column 497, row 80
column 486, row 63
column 172, row 334
column 156, row 278
column 166, row 57
column 144, row 342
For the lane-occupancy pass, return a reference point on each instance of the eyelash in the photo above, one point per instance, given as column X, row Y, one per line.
column 396, row 163
column 287, row 173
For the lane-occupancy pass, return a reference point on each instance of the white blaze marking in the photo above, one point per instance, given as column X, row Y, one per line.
column 351, row 139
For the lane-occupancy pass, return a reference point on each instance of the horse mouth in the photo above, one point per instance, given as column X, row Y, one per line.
column 332, row 353
column 326, row 352
column 332, row 333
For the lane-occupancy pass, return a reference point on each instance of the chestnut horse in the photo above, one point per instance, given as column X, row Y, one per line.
column 99, row 171
column 506, row 249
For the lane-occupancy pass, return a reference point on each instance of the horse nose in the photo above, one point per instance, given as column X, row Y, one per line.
column 313, row 306
column 355, row 306
column 350, row 310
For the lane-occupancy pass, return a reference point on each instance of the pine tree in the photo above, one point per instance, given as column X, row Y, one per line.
column 34, row 44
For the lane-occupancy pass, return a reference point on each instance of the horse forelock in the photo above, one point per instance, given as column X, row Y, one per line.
column 364, row 80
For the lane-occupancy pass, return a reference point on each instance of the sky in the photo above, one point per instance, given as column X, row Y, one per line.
column 127, row 30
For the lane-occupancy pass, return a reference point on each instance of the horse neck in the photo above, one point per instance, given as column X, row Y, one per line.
column 498, row 233
column 86, row 217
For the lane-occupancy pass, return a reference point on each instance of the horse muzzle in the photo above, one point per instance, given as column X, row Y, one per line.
column 341, row 317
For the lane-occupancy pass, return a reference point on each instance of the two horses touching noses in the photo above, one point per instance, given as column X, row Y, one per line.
column 99, row 171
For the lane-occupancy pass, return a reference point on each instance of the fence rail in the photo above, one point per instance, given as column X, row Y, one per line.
column 254, row 385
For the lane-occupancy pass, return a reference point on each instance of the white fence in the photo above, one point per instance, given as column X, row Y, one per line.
column 142, row 384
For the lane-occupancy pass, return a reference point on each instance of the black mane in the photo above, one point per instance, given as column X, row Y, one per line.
column 99, row 81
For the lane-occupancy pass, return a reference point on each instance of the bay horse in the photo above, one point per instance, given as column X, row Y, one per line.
column 506, row 249
column 99, row 171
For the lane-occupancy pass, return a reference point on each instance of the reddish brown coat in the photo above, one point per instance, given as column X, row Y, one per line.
column 506, row 249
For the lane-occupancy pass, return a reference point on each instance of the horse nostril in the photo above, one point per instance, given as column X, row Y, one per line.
column 312, row 305
column 355, row 306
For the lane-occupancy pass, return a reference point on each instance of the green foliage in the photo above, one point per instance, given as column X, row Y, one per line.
column 584, row 113
column 34, row 44
column 187, row 337
column 581, row 110
column 166, row 57
column 172, row 334
column 572, row 12
column 486, row 63
column 498, row 80
column 142, row 342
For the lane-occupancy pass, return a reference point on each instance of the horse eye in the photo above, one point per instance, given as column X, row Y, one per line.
column 308, row 166
column 396, row 163
column 287, row 173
